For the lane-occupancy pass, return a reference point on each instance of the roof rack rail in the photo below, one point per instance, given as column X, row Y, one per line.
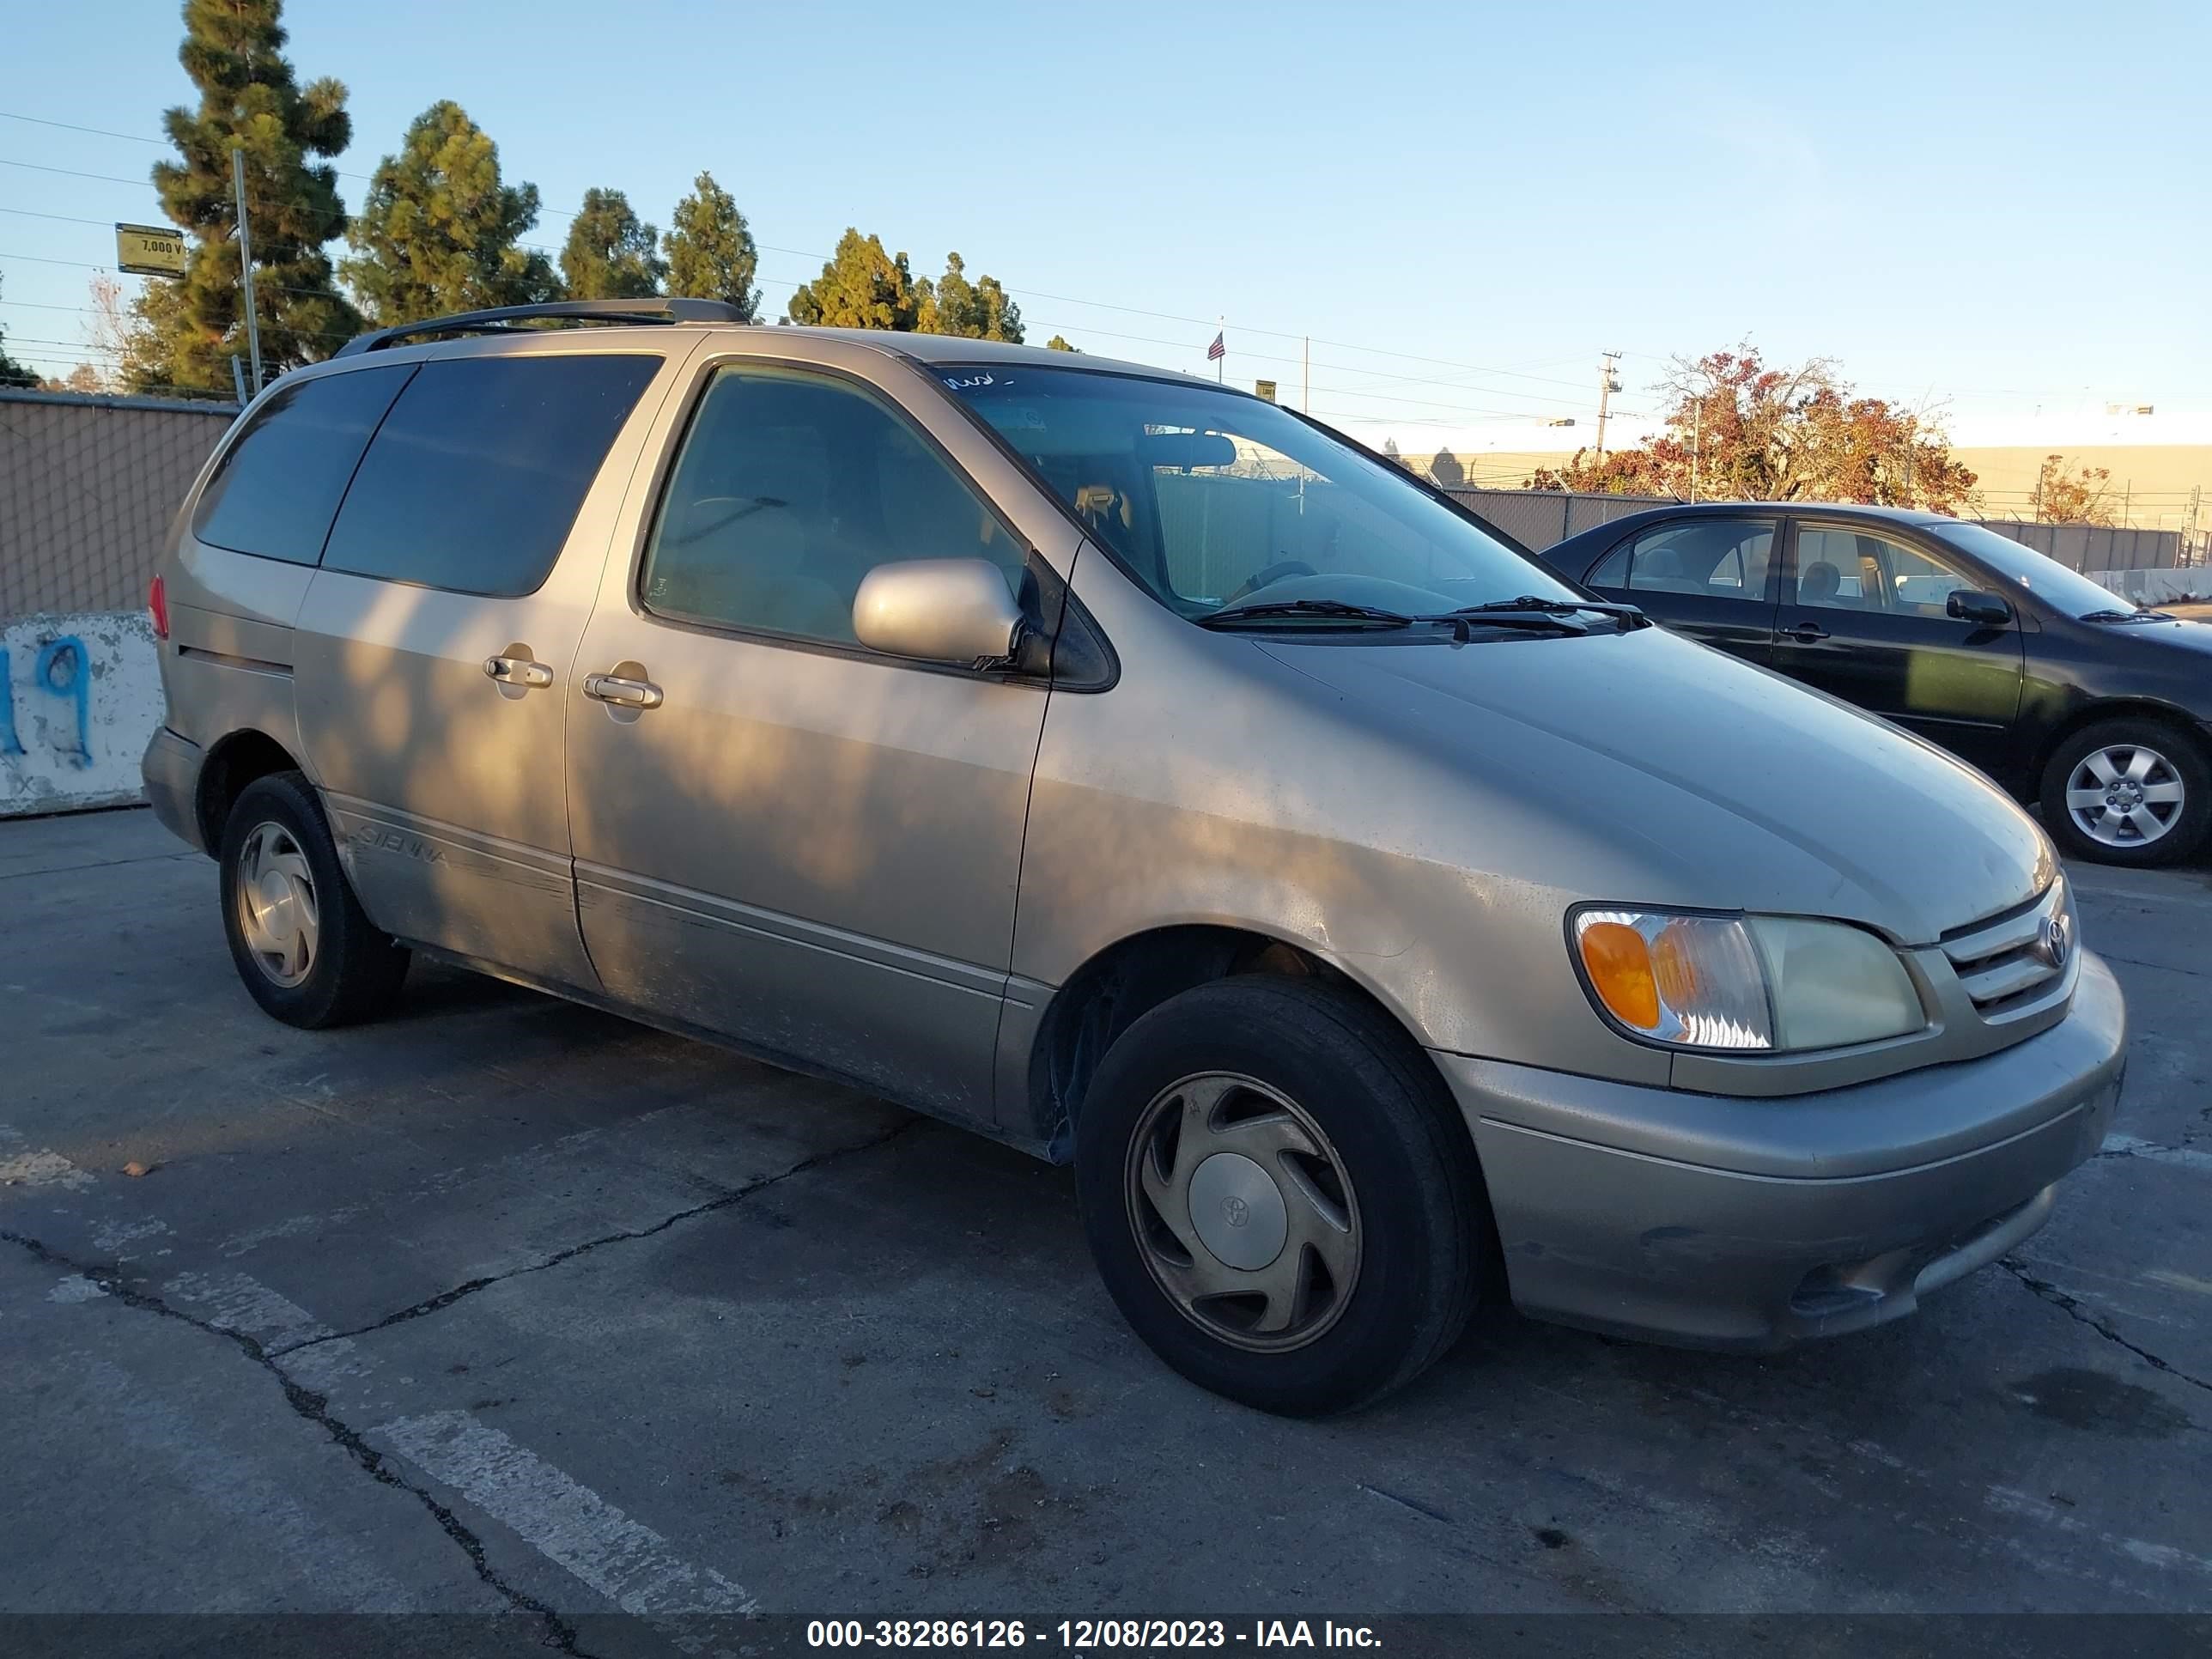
column 504, row 317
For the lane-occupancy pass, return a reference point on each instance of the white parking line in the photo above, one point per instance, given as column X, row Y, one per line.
column 2006, row 1501
column 42, row 1169
column 235, row 1302
column 628, row 1563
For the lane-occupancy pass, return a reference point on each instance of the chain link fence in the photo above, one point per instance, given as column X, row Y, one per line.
column 87, row 488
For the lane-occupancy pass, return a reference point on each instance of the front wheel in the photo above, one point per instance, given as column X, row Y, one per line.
column 307, row 952
column 2127, row 790
column 1279, row 1195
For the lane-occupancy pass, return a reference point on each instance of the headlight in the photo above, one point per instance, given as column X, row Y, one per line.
column 1748, row 982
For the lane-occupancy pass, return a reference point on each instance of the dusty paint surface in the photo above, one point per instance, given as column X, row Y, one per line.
column 82, row 696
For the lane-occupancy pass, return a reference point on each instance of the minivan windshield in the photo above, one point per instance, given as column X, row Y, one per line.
column 2063, row 590
column 1213, row 500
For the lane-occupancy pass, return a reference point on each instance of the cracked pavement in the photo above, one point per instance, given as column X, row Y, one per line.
column 504, row 1307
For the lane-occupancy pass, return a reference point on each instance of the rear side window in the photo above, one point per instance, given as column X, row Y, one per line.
column 476, row 473
column 1704, row 558
column 277, row 488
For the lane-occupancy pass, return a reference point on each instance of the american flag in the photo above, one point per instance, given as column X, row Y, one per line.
column 1219, row 350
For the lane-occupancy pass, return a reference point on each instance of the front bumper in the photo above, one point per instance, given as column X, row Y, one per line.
column 172, row 774
column 1734, row 1223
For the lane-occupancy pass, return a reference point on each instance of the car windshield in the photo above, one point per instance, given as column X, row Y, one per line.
column 1214, row 500
column 2064, row 590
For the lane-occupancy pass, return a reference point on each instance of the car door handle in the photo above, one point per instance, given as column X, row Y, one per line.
column 1806, row 633
column 623, row 693
column 518, row 670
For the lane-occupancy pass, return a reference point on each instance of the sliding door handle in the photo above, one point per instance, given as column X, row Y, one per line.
column 621, row 692
column 1806, row 633
column 518, row 670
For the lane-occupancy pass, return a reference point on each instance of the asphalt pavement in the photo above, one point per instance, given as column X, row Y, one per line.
column 503, row 1306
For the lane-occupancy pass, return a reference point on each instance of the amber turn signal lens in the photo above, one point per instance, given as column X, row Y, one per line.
column 1619, row 967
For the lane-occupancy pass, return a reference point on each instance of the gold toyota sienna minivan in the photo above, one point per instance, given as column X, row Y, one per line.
column 1143, row 774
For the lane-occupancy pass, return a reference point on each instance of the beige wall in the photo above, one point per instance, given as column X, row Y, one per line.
column 2161, row 477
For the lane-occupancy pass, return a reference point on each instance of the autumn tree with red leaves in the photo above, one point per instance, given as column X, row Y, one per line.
column 1737, row 429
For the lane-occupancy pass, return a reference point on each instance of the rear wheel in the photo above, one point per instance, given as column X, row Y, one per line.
column 1279, row 1195
column 302, row 946
column 2127, row 790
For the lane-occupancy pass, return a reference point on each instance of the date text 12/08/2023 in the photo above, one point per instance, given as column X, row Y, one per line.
column 1085, row 1635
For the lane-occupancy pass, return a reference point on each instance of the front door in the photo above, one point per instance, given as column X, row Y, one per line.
column 436, row 638
column 781, row 836
column 1705, row 576
column 1867, row 620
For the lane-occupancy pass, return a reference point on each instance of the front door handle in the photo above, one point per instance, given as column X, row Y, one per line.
column 621, row 692
column 518, row 670
column 1806, row 633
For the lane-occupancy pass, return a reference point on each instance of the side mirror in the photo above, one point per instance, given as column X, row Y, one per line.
column 954, row 611
column 1986, row 610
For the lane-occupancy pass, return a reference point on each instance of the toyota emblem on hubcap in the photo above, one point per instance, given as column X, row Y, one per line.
column 2054, row 939
column 1235, row 1211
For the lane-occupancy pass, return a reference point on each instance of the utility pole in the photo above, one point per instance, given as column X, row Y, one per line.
column 1697, row 444
column 1607, row 386
column 245, row 263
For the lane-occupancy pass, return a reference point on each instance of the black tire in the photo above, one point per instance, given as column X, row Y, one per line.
column 2181, row 760
column 1422, row 1216
column 353, row 971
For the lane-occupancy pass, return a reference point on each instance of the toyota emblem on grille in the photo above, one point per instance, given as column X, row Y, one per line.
column 2054, row 938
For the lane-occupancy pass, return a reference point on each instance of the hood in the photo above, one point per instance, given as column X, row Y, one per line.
column 1707, row 781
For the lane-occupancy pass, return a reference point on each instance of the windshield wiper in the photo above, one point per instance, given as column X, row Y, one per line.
column 1531, row 604
column 1337, row 609
column 2118, row 615
column 1529, row 612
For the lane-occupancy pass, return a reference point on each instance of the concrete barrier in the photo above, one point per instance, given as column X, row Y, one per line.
column 2158, row 586
column 80, row 695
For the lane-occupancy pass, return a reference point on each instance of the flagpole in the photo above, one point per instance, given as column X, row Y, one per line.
column 1221, row 363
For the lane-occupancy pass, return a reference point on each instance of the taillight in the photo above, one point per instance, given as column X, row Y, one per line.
column 157, row 601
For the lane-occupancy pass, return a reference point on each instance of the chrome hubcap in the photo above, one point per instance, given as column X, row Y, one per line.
column 2125, row 795
column 1242, row 1211
column 277, row 908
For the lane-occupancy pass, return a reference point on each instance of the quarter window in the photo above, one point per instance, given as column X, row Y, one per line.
column 790, row 489
column 476, row 474
column 277, row 487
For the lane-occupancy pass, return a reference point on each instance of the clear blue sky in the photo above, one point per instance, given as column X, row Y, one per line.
column 2006, row 205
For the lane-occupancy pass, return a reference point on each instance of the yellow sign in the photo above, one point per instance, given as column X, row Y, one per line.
column 1266, row 389
column 149, row 250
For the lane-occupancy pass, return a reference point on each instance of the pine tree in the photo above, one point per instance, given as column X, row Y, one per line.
column 859, row 287
column 710, row 249
column 977, row 311
column 610, row 254
column 439, row 233
column 192, row 325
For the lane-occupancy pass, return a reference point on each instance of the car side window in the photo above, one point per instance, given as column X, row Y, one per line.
column 475, row 477
column 277, row 488
column 1708, row 558
column 1852, row 569
column 791, row 488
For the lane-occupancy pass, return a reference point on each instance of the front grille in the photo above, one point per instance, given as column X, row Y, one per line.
column 2007, row 962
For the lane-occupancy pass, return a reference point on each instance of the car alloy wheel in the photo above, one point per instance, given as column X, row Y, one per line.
column 2126, row 795
column 277, row 906
column 1242, row 1211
